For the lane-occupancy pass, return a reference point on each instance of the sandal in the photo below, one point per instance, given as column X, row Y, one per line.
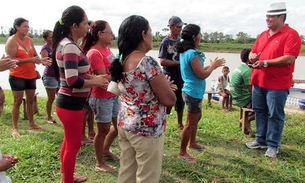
column 87, row 142
column 78, row 179
column 36, row 127
column 188, row 159
column 111, row 156
column 109, row 169
column 51, row 121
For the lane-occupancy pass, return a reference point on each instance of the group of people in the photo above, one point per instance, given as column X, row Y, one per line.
column 146, row 91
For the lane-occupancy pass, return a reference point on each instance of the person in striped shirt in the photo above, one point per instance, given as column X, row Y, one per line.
column 75, row 85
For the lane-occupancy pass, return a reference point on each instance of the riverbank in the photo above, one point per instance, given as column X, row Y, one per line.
column 206, row 47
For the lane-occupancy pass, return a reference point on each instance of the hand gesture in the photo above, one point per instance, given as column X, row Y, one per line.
column 101, row 80
column 46, row 61
column 217, row 62
column 7, row 162
column 253, row 57
column 7, row 63
column 171, row 83
column 36, row 60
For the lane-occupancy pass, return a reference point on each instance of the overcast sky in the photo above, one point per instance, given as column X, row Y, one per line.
column 226, row 16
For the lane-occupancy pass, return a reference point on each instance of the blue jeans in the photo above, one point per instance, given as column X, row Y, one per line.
column 269, row 115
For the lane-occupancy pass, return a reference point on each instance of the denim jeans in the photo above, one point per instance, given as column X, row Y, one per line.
column 269, row 115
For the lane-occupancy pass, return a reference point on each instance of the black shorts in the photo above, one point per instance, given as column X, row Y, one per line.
column 20, row 84
column 179, row 106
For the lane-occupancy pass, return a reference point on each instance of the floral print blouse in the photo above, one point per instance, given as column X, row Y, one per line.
column 140, row 111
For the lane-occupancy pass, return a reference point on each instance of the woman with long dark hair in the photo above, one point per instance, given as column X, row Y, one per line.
column 104, row 104
column 145, row 93
column 75, row 84
column 193, row 74
column 22, row 79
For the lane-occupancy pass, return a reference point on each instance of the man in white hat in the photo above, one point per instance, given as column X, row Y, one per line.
column 169, row 59
column 273, row 56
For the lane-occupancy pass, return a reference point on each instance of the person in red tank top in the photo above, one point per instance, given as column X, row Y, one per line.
column 23, row 78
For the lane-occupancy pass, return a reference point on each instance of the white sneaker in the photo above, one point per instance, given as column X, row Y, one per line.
column 271, row 152
column 255, row 145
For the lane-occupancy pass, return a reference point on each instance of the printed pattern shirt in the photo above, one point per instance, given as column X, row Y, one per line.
column 141, row 112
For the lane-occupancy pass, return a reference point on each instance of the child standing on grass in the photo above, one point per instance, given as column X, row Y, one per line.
column 222, row 86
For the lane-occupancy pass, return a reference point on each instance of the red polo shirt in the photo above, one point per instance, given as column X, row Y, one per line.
column 285, row 42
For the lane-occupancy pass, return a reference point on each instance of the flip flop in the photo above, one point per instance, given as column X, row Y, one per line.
column 87, row 142
column 180, row 127
column 113, row 157
column 188, row 159
column 109, row 170
column 51, row 121
column 78, row 179
column 200, row 147
column 36, row 127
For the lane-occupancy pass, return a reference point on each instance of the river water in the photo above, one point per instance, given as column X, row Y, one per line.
column 232, row 61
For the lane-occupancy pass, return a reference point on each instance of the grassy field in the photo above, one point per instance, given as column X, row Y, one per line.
column 226, row 159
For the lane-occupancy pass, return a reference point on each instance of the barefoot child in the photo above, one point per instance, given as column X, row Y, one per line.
column 222, row 88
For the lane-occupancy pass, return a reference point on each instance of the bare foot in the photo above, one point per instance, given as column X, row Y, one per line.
column 15, row 133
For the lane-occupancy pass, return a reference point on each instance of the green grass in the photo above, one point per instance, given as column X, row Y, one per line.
column 226, row 158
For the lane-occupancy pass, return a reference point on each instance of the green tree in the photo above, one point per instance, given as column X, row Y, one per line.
column 242, row 37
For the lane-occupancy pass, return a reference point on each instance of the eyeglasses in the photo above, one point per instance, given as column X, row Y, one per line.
column 107, row 31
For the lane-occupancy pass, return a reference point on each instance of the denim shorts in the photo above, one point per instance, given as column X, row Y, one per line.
column 104, row 109
column 19, row 84
column 193, row 105
column 50, row 82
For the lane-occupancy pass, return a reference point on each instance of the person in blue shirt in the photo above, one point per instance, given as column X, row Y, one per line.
column 193, row 73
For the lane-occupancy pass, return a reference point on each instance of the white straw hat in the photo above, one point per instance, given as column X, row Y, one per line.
column 277, row 9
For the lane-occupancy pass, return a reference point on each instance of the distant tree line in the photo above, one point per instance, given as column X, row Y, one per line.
column 213, row 37
column 218, row 37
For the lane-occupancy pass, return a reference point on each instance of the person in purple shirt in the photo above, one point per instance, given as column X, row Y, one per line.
column 49, row 80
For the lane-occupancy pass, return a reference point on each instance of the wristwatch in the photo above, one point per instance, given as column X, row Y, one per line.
column 265, row 63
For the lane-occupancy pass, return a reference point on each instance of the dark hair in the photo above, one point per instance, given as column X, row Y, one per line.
column 187, row 38
column 17, row 22
column 46, row 33
column 285, row 16
column 244, row 54
column 129, row 38
column 225, row 67
column 92, row 36
column 71, row 15
column 90, row 22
